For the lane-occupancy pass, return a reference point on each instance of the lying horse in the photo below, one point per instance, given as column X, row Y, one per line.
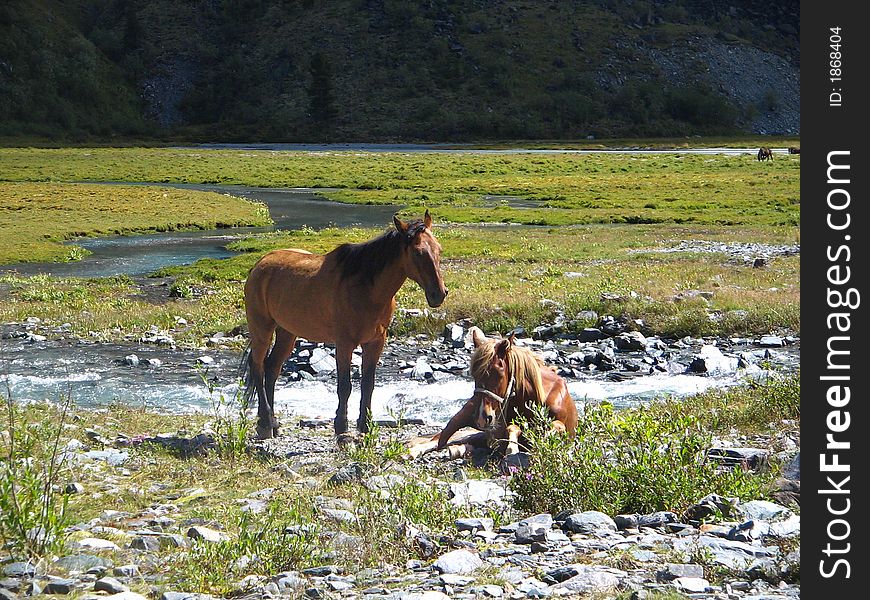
column 765, row 154
column 345, row 297
column 508, row 381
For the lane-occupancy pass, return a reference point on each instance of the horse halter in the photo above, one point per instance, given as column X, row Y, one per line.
column 507, row 396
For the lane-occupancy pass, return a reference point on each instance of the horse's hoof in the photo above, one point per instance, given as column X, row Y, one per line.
column 276, row 432
column 340, row 427
column 457, row 451
column 266, row 433
column 346, row 441
column 362, row 426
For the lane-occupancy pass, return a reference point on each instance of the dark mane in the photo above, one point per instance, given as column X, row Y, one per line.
column 368, row 259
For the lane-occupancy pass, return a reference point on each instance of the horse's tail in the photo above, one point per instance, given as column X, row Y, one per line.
column 246, row 376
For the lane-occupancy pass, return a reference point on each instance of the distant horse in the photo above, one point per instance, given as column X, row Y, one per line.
column 509, row 381
column 765, row 154
column 345, row 297
column 794, row 150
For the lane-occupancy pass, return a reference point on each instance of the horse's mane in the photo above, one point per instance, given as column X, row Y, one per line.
column 369, row 259
column 522, row 363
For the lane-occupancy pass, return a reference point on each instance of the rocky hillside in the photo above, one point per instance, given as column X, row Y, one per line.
column 370, row 70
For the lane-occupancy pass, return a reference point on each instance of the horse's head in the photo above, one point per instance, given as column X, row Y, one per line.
column 422, row 257
column 494, row 383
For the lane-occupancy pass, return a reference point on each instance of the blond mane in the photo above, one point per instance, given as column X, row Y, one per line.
column 522, row 363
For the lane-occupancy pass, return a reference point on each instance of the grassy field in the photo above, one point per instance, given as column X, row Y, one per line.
column 611, row 211
column 44, row 215
column 498, row 276
column 560, row 189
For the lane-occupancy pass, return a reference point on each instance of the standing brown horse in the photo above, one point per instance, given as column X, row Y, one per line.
column 765, row 154
column 345, row 297
column 509, row 381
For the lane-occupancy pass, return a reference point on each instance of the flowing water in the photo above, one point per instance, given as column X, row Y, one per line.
column 178, row 381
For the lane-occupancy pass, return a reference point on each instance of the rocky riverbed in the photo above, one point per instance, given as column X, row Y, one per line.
column 153, row 502
column 719, row 548
column 421, row 377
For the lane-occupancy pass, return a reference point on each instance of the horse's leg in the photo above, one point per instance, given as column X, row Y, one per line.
column 513, row 437
column 464, row 418
column 371, row 352
column 261, row 339
column 284, row 342
column 343, row 354
column 558, row 426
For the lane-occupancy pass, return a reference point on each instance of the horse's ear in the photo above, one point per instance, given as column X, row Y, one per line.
column 502, row 347
column 477, row 336
column 401, row 226
column 511, row 337
column 427, row 220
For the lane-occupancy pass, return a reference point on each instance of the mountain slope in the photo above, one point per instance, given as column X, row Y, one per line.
column 396, row 70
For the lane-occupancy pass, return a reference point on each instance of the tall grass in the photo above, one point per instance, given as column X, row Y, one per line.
column 650, row 458
column 282, row 538
column 33, row 516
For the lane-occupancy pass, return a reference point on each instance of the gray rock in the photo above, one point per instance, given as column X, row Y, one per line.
column 130, row 570
column 458, row 561
column 290, row 580
column 735, row 555
column 792, row 470
column 111, row 456
column 110, row 585
column 753, row 458
column 673, row 571
column 454, row 335
column 656, row 519
column 19, row 569
column 59, row 586
column 591, row 579
column 145, row 543
column 346, row 474
column 591, row 334
column 74, row 488
column 93, row 543
column 771, row 341
column 763, row 510
column 206, row 534
column 321, row 362
column 588, row 522
column 692, row 585
column 630, row 341
column 474, row 524
column 454, row 580
column 132, row 360
column 80, row 563
column 7, row 594
column 422, row 371
column 479, row 492
column 321, row 571
column 338, row 515
column 710, row 360
column 626, row 521
column 533, row 529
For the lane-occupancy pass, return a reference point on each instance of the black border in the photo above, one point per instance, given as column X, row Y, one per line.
column 826, row 128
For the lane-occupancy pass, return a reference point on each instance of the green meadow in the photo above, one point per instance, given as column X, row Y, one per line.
column 41, row 216
column 603, row 221
column 560, row 189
